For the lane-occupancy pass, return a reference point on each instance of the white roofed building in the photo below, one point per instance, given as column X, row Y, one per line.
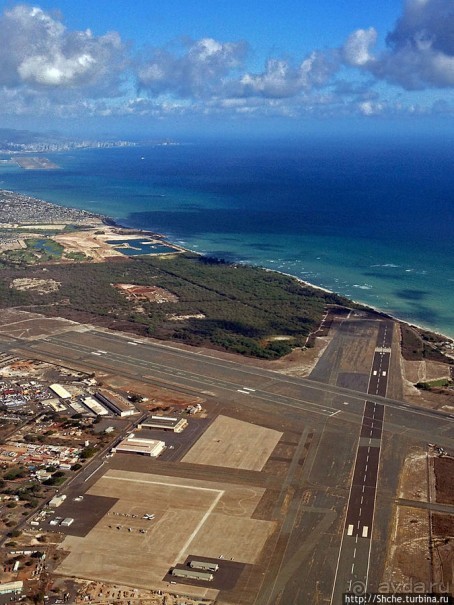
column 95, row 407
column 165, row 423
column 60, row 391
column 145, row 447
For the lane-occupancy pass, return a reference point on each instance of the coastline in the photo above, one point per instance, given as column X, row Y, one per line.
column 108, row 221
column 301, row 281
column 365, row 306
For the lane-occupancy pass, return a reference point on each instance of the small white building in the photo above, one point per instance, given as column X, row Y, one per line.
column 67, row 522
column 57, row 500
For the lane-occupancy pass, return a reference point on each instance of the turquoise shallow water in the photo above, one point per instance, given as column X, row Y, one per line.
column 371, row 220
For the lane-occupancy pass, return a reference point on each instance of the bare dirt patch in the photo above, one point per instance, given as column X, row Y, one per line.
column 443, row 525
column 408, row 558
column 424, row 371
column 413, row 480
column 91, row 243
column 106, row 593
column 443, row 550
column 300, row 362
column 172, row 317
column 152, row 294
column 444, row 484
column 158, row 397
column 232, row 443
column 41, row 286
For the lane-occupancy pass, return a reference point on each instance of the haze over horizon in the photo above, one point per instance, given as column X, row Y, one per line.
column 227, row 67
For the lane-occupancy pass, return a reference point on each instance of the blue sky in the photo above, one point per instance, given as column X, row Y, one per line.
column 251, row 66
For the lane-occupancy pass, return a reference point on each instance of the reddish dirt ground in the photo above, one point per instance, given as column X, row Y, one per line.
column 444, row 473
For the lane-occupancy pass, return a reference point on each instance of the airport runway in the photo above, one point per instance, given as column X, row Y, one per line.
column 336, row 488
column 352, row 572
column 209, row 375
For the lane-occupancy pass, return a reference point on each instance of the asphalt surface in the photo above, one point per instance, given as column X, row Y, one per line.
column 339, row 418
column 354, row 555
column 196, row 372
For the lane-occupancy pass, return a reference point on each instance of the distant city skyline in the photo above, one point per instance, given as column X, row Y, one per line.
column 227, row 66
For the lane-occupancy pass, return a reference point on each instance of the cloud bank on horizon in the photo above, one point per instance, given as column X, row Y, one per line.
column 47, row 69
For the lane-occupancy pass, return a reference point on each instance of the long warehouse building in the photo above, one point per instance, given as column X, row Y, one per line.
column 95, row 407
column 117, row 405
column 192, row 575
column 204, row 565
column 165, row 423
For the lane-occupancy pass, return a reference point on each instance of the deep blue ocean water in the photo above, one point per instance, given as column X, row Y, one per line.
column 371, row 219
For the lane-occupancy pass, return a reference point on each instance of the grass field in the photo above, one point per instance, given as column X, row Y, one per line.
column 234, row 444
column 201, row 518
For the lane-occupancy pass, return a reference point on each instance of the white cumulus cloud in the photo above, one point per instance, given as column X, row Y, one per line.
column 281, row 79
column 198, row 71
column 420, row 48
column 39, row 51
column 356, row 50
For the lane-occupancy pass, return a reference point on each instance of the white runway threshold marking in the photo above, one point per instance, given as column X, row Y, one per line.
column 365, row 531
column 220, row 493
column 350, row 530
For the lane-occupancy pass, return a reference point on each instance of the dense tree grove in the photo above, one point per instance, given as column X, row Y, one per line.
column 246, row 309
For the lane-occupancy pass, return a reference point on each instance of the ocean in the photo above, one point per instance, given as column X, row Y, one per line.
column 368, row 218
